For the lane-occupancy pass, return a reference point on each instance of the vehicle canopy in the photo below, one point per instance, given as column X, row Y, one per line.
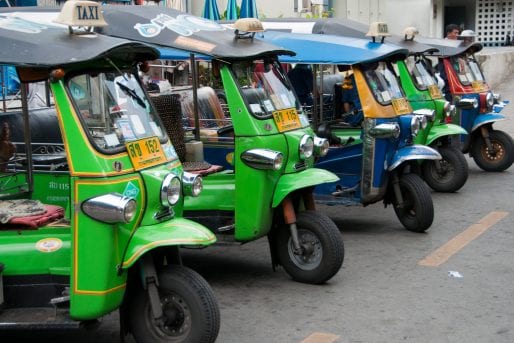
column 171, row 28
column 329, row 49
column 27, row 45
column 450, row 47
column 350, row 28
column 161, row 26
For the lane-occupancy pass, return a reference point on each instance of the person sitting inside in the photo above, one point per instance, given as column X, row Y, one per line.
column 351, row 104
column 302, row 80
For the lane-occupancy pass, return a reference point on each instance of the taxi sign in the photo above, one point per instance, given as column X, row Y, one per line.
column 145, row 152
column 401, row 106
column 287, row 119
column 435, row 92
column 81, row 13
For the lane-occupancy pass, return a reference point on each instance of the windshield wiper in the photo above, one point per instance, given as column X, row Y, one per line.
column 132, row 94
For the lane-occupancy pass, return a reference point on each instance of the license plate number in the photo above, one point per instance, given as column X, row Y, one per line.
column 287, row 119
column 145, row 153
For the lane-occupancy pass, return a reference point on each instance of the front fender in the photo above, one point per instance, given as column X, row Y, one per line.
column 413, row 152
column 441, row 130
column 486, row 118
column 178, row 231
column 306, row 178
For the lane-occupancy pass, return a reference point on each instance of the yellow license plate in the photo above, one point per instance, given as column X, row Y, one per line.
column 478, row 86
column 145, row 153
column 435, row 92
column 287, row 119
column 401, row 106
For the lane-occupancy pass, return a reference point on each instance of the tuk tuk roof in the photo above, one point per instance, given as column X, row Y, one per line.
column 170, row 28
column 451, row 47
column 351, row 28
column 328, row 49
column 28, row 44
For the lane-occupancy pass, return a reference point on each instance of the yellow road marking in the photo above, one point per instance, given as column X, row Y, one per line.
column 446, row 251
column 320, row 337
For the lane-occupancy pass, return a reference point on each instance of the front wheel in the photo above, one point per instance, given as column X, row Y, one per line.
column 190, row 310
column 417, row 212
column 322, row 250
column 497, row 159
column 449, row 173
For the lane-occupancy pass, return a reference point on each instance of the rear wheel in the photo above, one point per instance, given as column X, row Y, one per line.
column 417, row 212
column 499, row 158
column 449, row 173
column 322, row 248
column 190, row 310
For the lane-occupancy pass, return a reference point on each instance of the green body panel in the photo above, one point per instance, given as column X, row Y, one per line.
column 442, row 130
column 98, row 247
column 179, row 231
column 22, row 255
column 420, row 99
column 306, row 178
column 218, row 193
column 53, row 189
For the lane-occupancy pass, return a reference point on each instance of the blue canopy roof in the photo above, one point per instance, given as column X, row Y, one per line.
column 177, row 54
column 328, row 49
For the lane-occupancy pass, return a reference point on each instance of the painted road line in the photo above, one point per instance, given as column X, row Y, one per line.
column 321, row 337
column 453, row 246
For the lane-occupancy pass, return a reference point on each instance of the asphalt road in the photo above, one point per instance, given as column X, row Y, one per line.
column 393, row 287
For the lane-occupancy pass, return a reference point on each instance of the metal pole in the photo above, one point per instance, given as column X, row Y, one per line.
column 28, row 143
column 314, row 98
column 195, row 95
column 4, row 94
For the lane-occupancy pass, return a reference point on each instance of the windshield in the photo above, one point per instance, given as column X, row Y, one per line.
column 382, row 82
column 419, row 73
column 467, row 70
column 265, row 87
column 114, row 110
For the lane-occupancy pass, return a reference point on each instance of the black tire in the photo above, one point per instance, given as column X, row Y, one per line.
column 325, row 250
column 191, row 311
column 497, row 161
column 417, row 214
column 448, row 174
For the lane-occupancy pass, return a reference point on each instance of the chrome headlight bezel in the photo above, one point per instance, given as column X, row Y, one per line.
column 110, row 208
column 306, row 147
column 263, row 159
column 427, row 113
column 489, row 101
column 415, row 125
column 170, row 190
column 321, row 146
column 192, row 184
column 385, row 130
column 497, row 98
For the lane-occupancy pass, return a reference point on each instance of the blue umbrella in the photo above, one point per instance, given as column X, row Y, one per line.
column 249, row 9
column 210, row 10
column 231, row 10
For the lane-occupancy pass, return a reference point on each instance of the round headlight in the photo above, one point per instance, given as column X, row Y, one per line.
column 306, row 147
column 489, row 101
column 321, row 146
column 129, row 210
column 414, row 125
column 170, row 190
column 447, row 109
column 277, row 162
column 192, row 184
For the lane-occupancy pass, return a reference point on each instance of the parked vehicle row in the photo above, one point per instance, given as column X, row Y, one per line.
column 108, row 179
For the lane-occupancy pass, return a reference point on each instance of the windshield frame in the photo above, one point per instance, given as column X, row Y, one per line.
column 380, row 97
column 472, row 69
column 267, row 105
column 151, row 127
column 418, row 66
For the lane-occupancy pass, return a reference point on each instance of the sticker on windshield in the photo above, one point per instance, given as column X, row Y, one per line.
column 126, row 129
column 156, row 129
column 285, row 100
column 111, row 140
column 268, row 105
column 137, row 124
column 385, row 96
column 256, row 108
